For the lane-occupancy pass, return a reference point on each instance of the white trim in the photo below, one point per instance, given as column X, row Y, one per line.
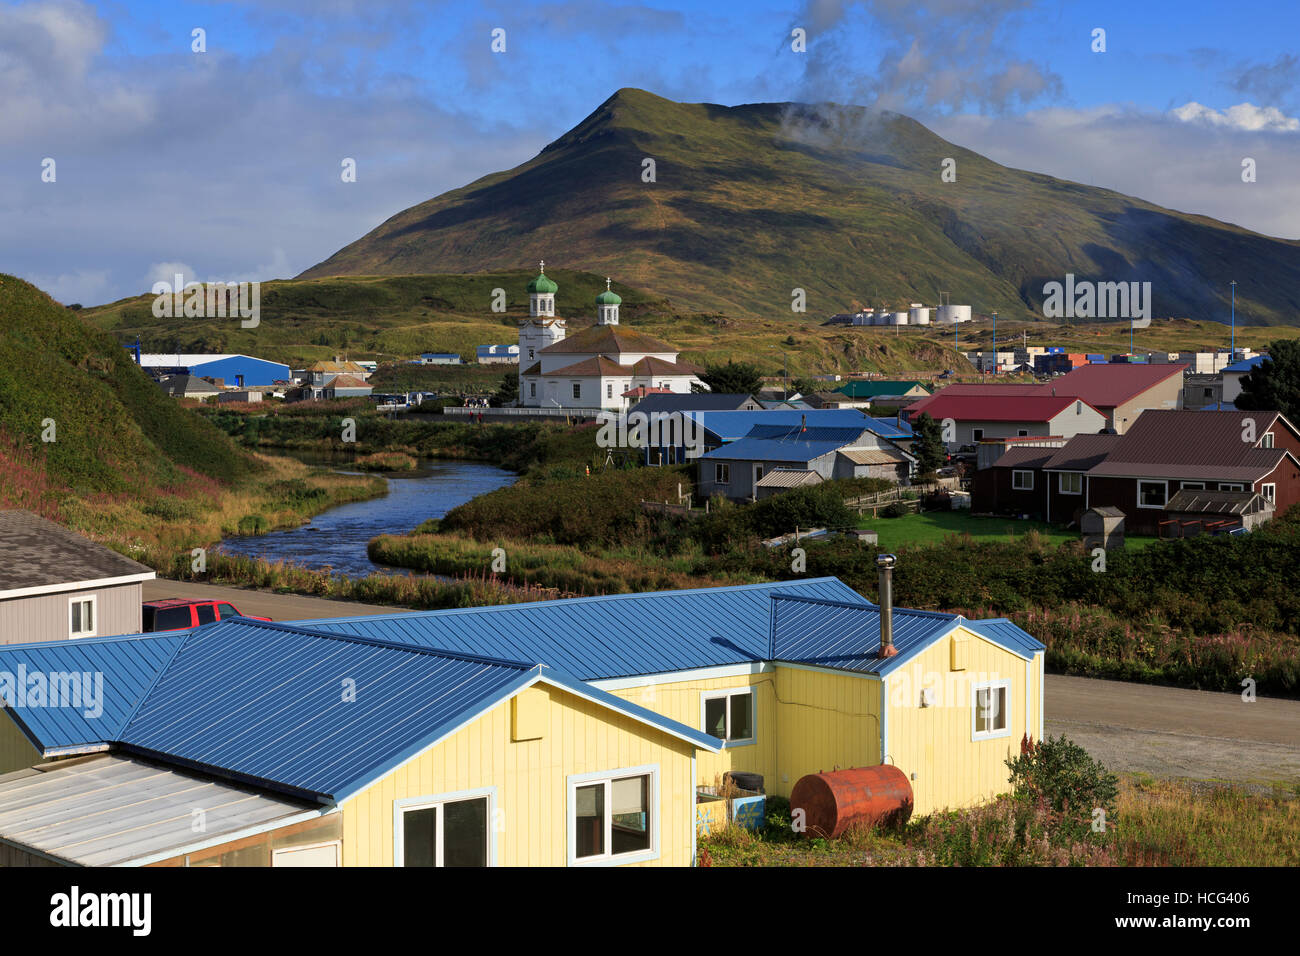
column 675, row 677
column 1022, row 471
column 571, row 784
column 1191, row 486
column 1060, row 482
column 727, row 693
column 1028, row 680
column 975, row 735
column 884, row 719
column 438, row 801
column 691, row 811
column 93, row 601
column 1152, row 481
column 1232, row 486
column 1268, row 490
column 77, row 585
column 1042, row 682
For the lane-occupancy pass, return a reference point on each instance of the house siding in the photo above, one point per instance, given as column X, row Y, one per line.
column 933, row 745
column 530, row 777
column 1162, row 395
column 44, row 617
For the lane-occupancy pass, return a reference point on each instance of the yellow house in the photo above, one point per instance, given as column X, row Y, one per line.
column 571, row 732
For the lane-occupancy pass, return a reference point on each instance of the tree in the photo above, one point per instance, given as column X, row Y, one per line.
column 803, row 386
column 928, row 445
column 507, row 391
column 734, row 378
column 1274, row 384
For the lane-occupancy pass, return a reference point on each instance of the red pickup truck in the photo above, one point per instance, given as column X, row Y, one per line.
column 177, row 614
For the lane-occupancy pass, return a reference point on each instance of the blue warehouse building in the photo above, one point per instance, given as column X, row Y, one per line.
column 238, row 371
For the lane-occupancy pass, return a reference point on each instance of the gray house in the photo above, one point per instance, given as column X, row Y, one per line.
column 736, row 469
column 55, row 584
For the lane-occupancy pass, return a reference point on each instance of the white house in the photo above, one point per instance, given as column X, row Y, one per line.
column 595, row 367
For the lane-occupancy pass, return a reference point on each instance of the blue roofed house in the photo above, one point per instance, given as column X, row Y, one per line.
column 235, row 371
column 1234, row 373
column 578, row 732
column 497, row 354
column 738, row 469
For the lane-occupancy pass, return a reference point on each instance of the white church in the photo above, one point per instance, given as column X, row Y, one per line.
column 604, row 366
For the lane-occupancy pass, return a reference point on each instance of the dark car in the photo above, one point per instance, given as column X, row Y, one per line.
column 177, row 614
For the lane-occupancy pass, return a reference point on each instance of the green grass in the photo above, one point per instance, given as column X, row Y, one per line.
column 932, row 527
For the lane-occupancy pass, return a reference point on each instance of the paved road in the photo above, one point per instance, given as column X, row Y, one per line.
column 1163, row 731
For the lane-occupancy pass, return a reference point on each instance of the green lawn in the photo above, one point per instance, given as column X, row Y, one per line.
column 932, row 527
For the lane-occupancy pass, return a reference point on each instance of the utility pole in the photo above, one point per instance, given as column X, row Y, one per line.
column 995, row 341
column 1232, row 354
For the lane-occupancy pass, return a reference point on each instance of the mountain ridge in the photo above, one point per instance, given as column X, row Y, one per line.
column 752, row 202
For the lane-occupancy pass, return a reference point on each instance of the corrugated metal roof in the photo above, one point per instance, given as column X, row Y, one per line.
column 996, row 408
column 1105, row 386
column 1168, row 443
column 1082, row 452
column 1215, row 502
column 128, row 666
column 847, row 636
column 789, row 478
column 1025, row 457
column 110, row 810
column 874, row 456
column 600, row 638
column 732, row 425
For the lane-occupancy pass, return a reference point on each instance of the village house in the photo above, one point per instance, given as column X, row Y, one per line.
column 594, row 368
column 1171, row 473
column 322, row 373
column 735, row 469
column 234, row 370
column 55, row 584
column 574, row 732
column 497, row 354
column 188, row 386
column 978, row 416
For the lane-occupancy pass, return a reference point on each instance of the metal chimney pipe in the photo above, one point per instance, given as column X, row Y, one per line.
column 886, row 562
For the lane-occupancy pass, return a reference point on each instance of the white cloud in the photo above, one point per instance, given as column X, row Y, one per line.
column 1243, row 116
column 86, row 286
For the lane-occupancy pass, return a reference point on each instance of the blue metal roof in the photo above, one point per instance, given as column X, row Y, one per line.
column 799, row 451
column 600, row 638
column 732, row 425
column 1245, row 365
column 846, row 636
column 126, row 666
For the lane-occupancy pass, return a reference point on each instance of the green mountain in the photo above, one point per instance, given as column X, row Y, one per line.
column 79, row 418
column 749, row 203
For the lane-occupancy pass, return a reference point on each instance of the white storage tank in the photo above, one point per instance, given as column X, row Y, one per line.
column 952, row 314
column 918, row 314
column 898, row 318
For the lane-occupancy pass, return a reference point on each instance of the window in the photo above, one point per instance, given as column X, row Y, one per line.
column 722, row 474
column 729, row 715
column 451, row 830
column 1269, row 492
column 1022, row 433
column 81, row 617
column 1193, row 486
column 227, row 610
column 758, row 473
column 532, row 389
column 1152, row 494
column 1022, row 480
column 612, row 817
column 609, row 389
column 1230, row 486
column 977, row 434
column 577, row 390
column 1070, row 483
column 207, row 613
column 989, row 716
column 530, row 355
column 672, row 454
column 1267, row 440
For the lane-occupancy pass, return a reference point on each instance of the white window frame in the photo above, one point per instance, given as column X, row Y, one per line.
column 1191, row 486
column 577, row 389
column 1231, row 486
column 975, row 733
column 609, row 389
column 1152, row 481
column 439, row 800
column 93, row 601
column 532, row 389
column 1269, row 493
column 722, row 473
column 728, row 693
column 607, row 777
column 1021, row 471
column 1267, row 440
column 1060, row 482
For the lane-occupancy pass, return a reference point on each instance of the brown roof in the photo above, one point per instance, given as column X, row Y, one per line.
column 1192, row 444
column 336, row 367
column 592, row 366
column 39, row 553
column 347, row 381
column 534, row 369
column 1025, row 457
column 1082, row 452
column 657, row 366
column 609, row 338
column 1110, row 384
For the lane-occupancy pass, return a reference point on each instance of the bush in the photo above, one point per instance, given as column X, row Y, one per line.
column 895, row 510
column 1067, row 779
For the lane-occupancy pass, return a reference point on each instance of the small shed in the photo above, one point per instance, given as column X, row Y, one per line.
column 1102, row 528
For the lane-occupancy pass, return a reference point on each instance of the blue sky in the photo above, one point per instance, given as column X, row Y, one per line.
column 225, row 164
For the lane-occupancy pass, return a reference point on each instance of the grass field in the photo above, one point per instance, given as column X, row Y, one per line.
column 932, row 527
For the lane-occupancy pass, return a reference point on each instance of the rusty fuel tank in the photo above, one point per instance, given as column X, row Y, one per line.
column 833, row 802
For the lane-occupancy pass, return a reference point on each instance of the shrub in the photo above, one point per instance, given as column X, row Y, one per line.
column 1066, row 778
column 895, row 510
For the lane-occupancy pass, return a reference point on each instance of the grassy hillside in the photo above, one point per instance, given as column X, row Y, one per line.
column 113, row 429
column 750, row 202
